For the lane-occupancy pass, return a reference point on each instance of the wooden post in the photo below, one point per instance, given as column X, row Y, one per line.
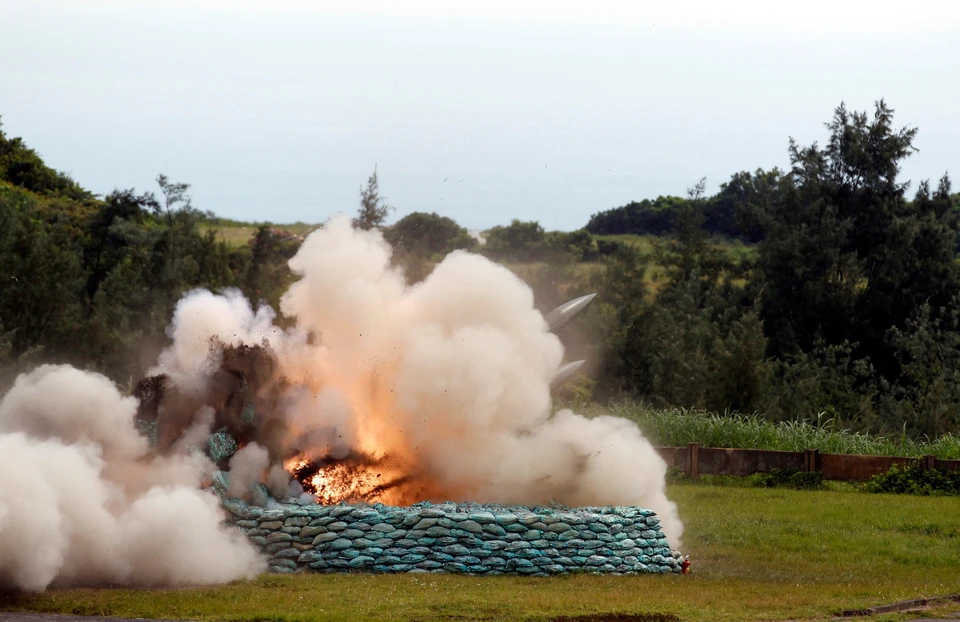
column 929, row 462
column 693, row 449
column 810, row 460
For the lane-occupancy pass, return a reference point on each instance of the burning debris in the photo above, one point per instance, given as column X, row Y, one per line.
column 379, row 393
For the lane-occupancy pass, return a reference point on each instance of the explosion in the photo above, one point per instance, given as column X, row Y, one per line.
column 379, row 392
column 384, row 392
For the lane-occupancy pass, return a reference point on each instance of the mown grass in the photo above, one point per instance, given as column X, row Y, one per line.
column 235, row 233
column 758, row 554
column 677, row 427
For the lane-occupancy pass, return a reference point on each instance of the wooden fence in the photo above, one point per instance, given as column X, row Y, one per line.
column 696, row 460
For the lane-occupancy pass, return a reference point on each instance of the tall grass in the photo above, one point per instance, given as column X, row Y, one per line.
column 677, row 427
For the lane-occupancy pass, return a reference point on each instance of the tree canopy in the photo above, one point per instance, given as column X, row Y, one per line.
column 845, row 299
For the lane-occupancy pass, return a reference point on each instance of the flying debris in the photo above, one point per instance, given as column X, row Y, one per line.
column 561, row 316
column 565, row 373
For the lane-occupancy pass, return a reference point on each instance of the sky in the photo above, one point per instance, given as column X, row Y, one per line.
column 480, row 111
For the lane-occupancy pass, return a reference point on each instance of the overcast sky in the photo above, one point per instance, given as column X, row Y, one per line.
column 481, row 111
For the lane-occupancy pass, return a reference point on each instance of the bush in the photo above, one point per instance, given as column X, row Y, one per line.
column 606, row 248
column 519, row 241
column 580, row 245
column 790, row 478
column 428, row 235
column 913, row 479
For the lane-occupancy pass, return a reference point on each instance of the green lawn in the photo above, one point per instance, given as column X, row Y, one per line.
column 758, row 554
column 239, row 233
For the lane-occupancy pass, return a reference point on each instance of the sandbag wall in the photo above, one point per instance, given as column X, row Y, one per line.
column 478, row 539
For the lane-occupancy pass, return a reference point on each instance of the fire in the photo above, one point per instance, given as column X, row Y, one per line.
column 357, row 477
column 379, row 467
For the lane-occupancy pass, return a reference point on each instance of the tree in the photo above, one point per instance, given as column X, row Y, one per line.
column 519, row 241
column 106, row 240
column 267, row 272
column 644, row 218
column 42, row 275
column 428, row 234
column 22, row 167
column 733, row 210
column 373, row 208
column 700, row 343
column 579, row 244
column 845, row 258
column 688, row 250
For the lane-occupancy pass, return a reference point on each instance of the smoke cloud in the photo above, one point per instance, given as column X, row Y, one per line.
column 379, row 392
column 436, row 391
column 247, row 467
column 83, row 503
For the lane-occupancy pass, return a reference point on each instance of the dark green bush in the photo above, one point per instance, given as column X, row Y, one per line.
column 913, row 479
column 790, row 478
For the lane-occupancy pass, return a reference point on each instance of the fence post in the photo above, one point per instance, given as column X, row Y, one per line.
column 929, row 462
column 693, row 449
column 810, row 460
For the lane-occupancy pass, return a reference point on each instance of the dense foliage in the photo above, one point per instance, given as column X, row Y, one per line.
column 913, row 479
column 92, row 281
column 838, row 299
column 731, row 213
column 848, row 305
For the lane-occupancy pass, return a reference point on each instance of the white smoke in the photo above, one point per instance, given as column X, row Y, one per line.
column 448, row 380
column 247, row 467
column 82, row 501
column 451, row 375
column 200, row 316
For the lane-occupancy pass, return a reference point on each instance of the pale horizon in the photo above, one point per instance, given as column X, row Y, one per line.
column 482, row 112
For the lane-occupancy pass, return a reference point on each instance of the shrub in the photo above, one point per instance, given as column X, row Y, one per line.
column 789, row 478
column 428, row 235
column 913, row 479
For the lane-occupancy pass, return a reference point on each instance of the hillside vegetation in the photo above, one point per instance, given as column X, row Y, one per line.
column 821, row 291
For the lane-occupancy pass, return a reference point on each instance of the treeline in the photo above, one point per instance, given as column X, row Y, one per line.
column 93, row 281
column 849, row 306
column 734, row 212
column 845, row 309
column 846, row 304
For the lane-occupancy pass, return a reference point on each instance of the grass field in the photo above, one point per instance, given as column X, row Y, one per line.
column 758, row 554
column 236, row 233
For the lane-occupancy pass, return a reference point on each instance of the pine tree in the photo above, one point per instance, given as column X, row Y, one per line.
column 846, row 258
column 373, row 209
